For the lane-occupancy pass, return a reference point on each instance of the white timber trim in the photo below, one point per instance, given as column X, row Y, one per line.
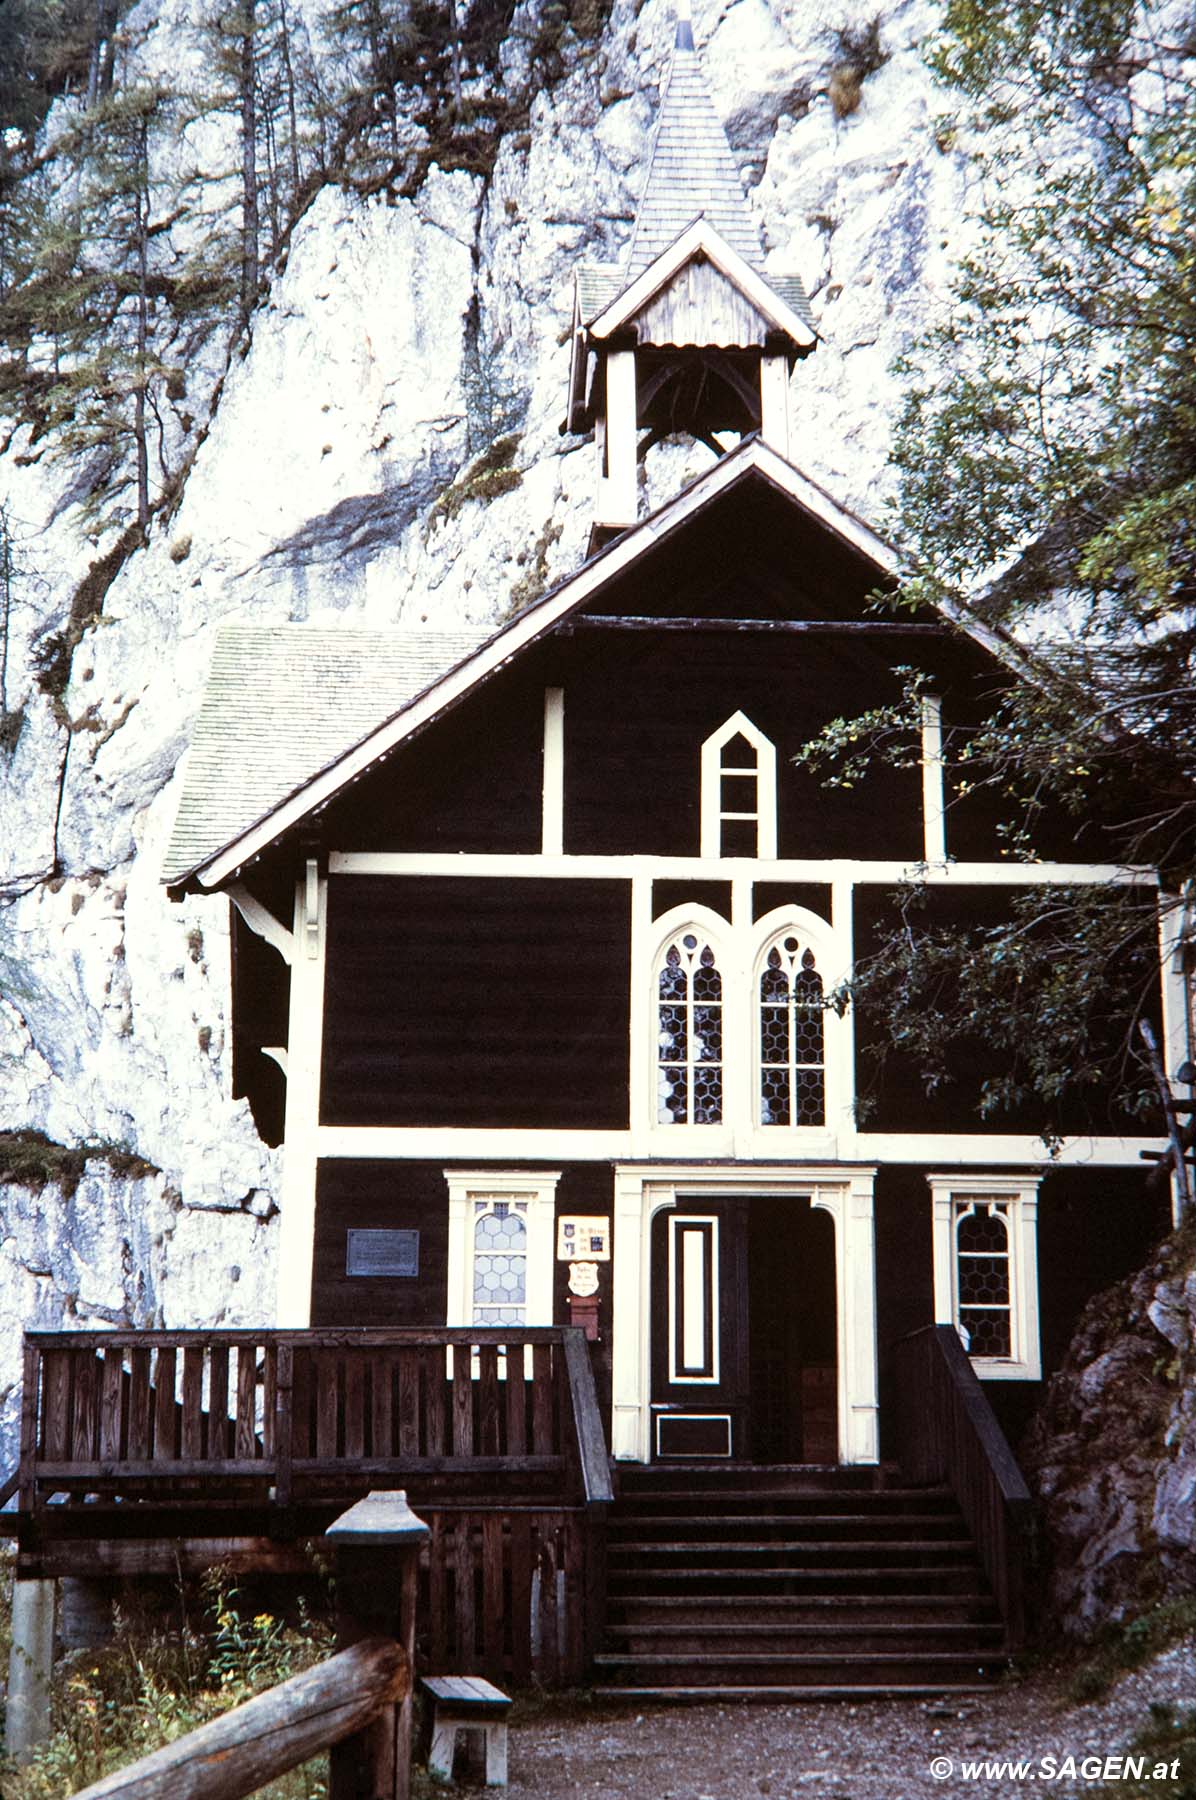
column 409, row 1143
column 305, row 1036
column 538, row 1189
column 641, row 1060
column 617, row 495
column 711, row 868
column 934, row 815
column 1019, row 1197
column 1174, row 925
column 552, row 828
column 774, row 403
column 843, row 1119
column 752, row 456
column 846, row 1193
column 261, row 922
column 700, row 239
column 693, row 1278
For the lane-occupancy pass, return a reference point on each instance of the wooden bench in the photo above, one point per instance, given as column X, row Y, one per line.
column 467, row 1703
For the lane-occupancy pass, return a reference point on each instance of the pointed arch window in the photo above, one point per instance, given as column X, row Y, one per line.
column 792, row 1034
column 689, row 1058
column 739, row 791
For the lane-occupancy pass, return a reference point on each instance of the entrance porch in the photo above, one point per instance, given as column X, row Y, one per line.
column 158, row 1453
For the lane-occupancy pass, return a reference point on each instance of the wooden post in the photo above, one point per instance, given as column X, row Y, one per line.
column 377, row 1545
column 30, row 1664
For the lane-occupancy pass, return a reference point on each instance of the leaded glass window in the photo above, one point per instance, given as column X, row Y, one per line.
column 689, row 1034
column 792, row 1033
column 499, row 1262
column 983, row 1313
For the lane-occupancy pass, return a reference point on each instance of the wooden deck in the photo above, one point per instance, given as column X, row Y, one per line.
column 150, row 1453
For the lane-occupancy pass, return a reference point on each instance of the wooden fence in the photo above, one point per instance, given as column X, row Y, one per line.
column 947, row 1432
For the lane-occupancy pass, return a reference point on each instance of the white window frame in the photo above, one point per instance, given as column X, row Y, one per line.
column 813, row 935
column 538, row 1189
column 1019, row 1194
column 764, row 774
column 740, row 949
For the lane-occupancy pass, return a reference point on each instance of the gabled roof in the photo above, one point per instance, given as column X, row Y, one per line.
column 691, row 175
column 703, row 239
column 292, row 714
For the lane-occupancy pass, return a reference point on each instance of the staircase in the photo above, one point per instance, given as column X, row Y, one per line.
column 748, row 1582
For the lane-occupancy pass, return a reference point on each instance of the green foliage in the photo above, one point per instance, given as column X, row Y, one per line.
column 1131, row 1646
column 1045, row 460
column 154, row 1683
column 490, row 474
column 30, row 1159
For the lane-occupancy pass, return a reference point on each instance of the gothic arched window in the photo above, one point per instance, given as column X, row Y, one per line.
column 791, row 1035
column 739, row 791
column 689, row 1058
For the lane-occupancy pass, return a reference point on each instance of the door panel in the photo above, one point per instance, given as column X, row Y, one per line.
column 744, row 1330
column 699, row 1334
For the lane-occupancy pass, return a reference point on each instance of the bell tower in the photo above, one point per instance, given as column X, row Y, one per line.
column 689, row 334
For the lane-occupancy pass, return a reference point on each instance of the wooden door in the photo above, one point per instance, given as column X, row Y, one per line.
column 700, row 1347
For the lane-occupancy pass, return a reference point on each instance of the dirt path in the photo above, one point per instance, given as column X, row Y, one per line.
column 877, row 1751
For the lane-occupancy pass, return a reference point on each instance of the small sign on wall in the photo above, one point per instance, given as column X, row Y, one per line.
column 580, row 1238
column 388, row 1254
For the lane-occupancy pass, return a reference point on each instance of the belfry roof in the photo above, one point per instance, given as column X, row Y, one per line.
column 692, row 174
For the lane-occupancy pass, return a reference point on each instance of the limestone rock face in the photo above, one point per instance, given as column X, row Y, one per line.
column 1112, row 1451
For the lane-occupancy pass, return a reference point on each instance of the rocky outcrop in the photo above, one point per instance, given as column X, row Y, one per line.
column 1111, row 1453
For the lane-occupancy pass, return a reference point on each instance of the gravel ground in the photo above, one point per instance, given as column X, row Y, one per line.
column 882, row 1750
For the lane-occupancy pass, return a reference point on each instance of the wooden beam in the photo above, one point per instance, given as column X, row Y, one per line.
column 820, row 627
column 276, row 1731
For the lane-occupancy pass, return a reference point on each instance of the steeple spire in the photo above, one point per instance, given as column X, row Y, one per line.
column 689, row 335
column 691, row 170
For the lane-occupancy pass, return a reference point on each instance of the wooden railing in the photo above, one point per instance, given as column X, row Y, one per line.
column 497, row 1434
column 307, row 1415
column 947, row 1432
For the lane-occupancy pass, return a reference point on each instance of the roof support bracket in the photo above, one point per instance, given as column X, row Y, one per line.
column 261, row 921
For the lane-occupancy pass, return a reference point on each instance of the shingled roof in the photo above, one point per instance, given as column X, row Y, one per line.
column 691, row 170
column 282, row 703
column 691, row 174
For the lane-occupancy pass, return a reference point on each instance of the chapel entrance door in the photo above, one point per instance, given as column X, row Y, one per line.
column 744, row 1331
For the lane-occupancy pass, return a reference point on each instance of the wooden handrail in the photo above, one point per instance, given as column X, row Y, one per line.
column 948, row 1432
column 287, row 1725
column 592, row 1456
column 326, row 1336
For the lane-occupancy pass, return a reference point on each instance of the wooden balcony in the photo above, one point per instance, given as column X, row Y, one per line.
column 148, row 1453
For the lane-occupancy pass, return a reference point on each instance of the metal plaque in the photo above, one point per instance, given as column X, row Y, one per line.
column 382, row 1253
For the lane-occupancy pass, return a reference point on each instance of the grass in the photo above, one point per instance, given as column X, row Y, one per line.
column 155, row 1682
column 1124, row 1647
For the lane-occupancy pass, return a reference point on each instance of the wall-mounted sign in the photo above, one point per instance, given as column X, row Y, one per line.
column 382, row 1253
column 582, row 1239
